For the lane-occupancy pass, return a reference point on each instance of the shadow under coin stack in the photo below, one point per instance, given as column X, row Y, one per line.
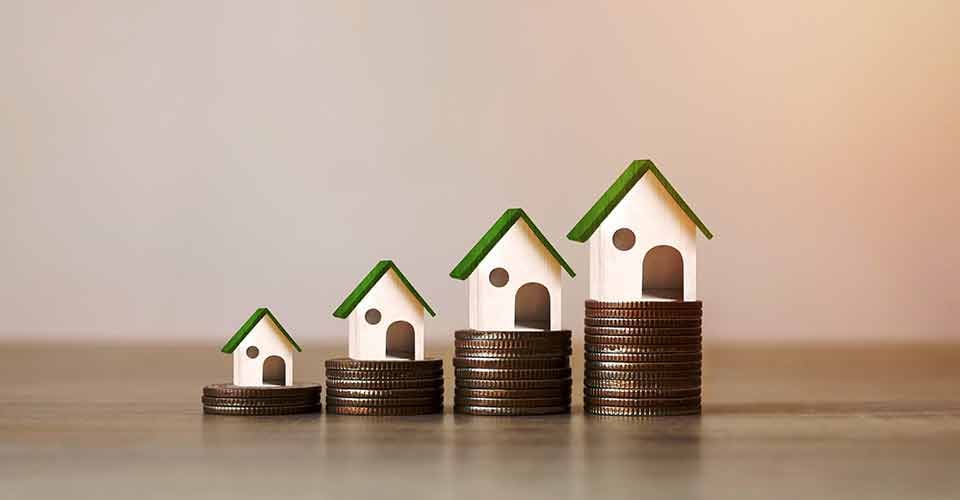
column 229, row 399
column 642, row 358
column 512, row 373
column 384, row 388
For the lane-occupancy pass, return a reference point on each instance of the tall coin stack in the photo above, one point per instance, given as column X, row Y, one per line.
column 512, row 373
column 642, row 358
column 384, row 388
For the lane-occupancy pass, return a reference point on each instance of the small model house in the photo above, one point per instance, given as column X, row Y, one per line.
column 262, row 351
column 385, row 315
column 513, row 277
column 643, row 240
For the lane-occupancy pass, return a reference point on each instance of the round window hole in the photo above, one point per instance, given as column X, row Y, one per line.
column 624, row 239
column 372, row 316
column 499, row 277
column 253, row 352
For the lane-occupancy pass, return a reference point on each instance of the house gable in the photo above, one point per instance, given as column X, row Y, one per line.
column 248, row 327
column 367, row 283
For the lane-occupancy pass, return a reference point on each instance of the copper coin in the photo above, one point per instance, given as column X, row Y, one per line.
column 641, row 393
column 512, row 353
column 642, row 339
column 419, row 401
column 335, row 383
column 642, row 314
column 384, row 365
column 420, row 392
column 643, row 322
column 513, row 402
column 260, row 410
column 641, row 349
column 642, row 374
column 512, row 364
column 468, row 383
column 259, row 402
column 463, row 392
column 644, row 384
column 642, row 402
column 532, row 335
column 658, row 332
column 236, row 391
column 643, row 358
column 385, row 411
column 504, row 345
column 644, row 304
column 624, row 411
column 495, row 411
column 510, row 374
column 383, row 375
column 643, row 367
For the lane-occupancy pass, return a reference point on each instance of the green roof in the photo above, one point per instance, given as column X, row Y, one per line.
column 358, row 293
column 602, row 208
column 492, row 237
column 248, row 327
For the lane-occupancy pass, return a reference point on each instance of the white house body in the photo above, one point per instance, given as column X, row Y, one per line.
column 388, row 323
column 263, row 357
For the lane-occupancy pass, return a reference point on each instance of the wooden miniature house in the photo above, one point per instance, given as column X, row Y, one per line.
column 262, row 351
column 643, row 239
column 385, row 314
column 513, row 277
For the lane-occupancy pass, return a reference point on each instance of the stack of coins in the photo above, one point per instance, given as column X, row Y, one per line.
column 642, row 358
column 229, row 399
column 384, row 388
column 512, row 373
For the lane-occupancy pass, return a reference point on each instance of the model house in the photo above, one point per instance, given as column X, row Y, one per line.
column 513, row 277
column 262, row 351
column 385, row 314
column 643, row 239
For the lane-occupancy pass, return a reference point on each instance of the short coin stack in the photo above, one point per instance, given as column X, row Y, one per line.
column 229, row 399
column 642, row 358
column 384, row 388
column 512, row 373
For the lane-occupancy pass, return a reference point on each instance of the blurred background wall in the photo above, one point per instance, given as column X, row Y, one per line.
column 168, row 166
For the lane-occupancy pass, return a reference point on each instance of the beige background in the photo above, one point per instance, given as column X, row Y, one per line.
column 165, row 167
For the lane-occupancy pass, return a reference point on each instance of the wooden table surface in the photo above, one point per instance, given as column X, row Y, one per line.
column 779, row 422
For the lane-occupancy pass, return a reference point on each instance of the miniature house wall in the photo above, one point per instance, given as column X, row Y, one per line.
column 263, row 357
column 527, row 296
column 388, row 323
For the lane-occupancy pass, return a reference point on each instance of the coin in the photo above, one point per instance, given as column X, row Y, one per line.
column 385, row 411
column 643, row 313
column 237, row 391
column 642, row 375
column 513, row 402
column 260, row 410
column 659, row 332
column 434, row 392
column 532, row 335
column 690, row 382
column 514, row 384
column 336, row 383
column 511, row 374
column 642, row 358
column 413, row 401
column 385, row 365
column 642, row 402
column 643, row 367
column 383, row 374
column 623, row 411
column 511, row 353
column 640, row 393
column 643, row 304
column 463, row 392
column 644, row 322
column 500, row 411
column 642, row 349
column 510, row 345
column 261, row 402
column 525, row 363
column 642, row 339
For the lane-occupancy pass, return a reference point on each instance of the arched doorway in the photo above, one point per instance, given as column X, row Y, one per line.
column 532, row 307
column 401, row 340
column 274, row 371
column 663, row 274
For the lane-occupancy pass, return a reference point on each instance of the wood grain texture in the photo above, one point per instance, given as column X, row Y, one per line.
column 779, row 422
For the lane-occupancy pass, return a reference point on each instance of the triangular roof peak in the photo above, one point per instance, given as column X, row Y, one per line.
column 493, row 235
column 366, row 284
column 247, row 327
column 609, row 200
